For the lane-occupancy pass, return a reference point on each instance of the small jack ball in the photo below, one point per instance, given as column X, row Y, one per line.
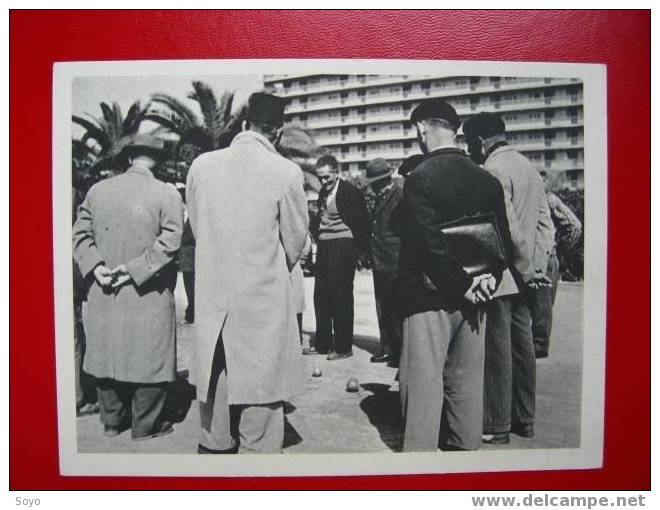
column 352, row 385
column 316, row 372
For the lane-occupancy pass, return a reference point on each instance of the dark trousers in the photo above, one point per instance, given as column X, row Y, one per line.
column 140, row 405
column 441, row 380
column 510, row 366
column 390, row 323
column 541, row 302
column 189, row 285
column 333, row 295
column 84, row 382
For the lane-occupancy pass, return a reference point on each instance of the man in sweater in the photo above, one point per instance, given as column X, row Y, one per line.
column 342, row 235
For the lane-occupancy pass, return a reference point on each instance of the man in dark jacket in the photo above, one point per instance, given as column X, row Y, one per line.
column 442, row 360
column 385, row 248
column 342, row 235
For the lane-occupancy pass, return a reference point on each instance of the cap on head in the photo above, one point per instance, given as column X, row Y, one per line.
column 484, row 125
column 141, row 144
column 436, row 109
column 266, row 108
column 377, row 169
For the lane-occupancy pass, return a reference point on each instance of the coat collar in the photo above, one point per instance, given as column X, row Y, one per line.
column 499, row 150
column 252, row 137
column 140, row 170
column 445, row 150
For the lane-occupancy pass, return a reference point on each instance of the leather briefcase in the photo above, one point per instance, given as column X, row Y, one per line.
column 475, row 242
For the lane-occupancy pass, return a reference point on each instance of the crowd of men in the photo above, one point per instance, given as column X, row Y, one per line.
column 466, row 350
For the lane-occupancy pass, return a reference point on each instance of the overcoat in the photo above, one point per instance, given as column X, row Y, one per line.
column 248, row 212
column 135, row 220
column 385, row 243
column 530, row 224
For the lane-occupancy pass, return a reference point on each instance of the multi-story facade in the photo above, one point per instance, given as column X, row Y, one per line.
column 362, row 117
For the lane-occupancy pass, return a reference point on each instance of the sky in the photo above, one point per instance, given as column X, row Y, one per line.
column 89, row 92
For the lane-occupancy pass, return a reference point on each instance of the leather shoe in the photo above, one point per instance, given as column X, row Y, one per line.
column 499, row 438
column 523, row 429
column 333, row 356
column 308, row 351
column 87, row 409
column 201, row 449
column 161, row 430
column 111, row 431
column 383, row 358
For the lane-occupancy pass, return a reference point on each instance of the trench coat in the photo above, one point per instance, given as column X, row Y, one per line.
column 135, row 220
column 248, row 212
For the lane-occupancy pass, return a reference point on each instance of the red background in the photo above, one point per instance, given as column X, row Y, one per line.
column 619, row 39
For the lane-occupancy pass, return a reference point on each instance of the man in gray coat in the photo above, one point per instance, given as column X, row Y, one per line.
column 125, row 238
column 510, row 365
column 248, row 213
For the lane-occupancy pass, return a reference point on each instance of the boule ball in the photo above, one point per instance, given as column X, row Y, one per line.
column 352, row 385
column 316, row 372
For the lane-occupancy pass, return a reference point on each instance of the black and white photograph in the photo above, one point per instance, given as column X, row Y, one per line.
column 341, row 267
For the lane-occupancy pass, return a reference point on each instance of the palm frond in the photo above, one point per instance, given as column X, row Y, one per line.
column 187, row 116
column 93, row 131
column 133, row 118
column 212, row 111
column 167, row 120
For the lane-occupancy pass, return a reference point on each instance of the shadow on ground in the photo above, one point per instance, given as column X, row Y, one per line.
column 180, row 396
column 383, row 408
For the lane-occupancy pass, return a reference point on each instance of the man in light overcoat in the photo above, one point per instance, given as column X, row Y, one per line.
column 248, row 213
column 125, row 238
column 510, row 364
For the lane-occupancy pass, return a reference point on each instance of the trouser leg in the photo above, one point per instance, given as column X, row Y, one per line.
column 189, row 285
column 216, row 424
column 463, row 384
column 380, row 289
column 78, row 353
column 114, row 402
column 323, row 337
column 342, row 270
column 389, row 321
column 497, row 368
column 261, row 428
column 148, row 404
column 425, row 342
column 541, row 302
column 523, row 364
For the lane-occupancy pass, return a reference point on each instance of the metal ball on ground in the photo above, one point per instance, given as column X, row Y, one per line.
column 352, row 385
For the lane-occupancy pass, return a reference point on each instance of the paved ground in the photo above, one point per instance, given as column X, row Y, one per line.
column 326, row 418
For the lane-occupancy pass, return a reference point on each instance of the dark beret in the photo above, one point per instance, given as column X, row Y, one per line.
column 484, row 125
column 435, row 109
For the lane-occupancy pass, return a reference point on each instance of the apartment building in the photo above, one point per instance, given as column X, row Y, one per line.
column 362, row 117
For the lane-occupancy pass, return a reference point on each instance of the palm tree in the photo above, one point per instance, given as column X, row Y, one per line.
column 298, row 145
column 214, row 131
column 104, row 136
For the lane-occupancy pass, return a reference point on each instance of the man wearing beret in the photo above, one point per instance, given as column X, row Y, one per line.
column 343, row 236
column 441, row 376
column 510, row 365
column 385, row 248
column 248, row 213
column 125, row 239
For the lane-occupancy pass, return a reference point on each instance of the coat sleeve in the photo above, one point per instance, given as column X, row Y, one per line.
column 85, row 251
column 521, row 246
column 545, row 235
column 166, row 244
column 293, row 220
column 190, row 198
column 440, row 267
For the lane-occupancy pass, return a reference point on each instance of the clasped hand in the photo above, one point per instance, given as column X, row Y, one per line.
column 539, row 280
column 111, row 278
column 481, row 290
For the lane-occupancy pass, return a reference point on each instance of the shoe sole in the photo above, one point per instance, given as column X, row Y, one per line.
column 153, row 436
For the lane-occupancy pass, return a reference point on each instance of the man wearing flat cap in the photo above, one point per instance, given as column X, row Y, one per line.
column 441, row 376
column 248, row 213
column 125, row 239
column 385, row 248
column 510, row 366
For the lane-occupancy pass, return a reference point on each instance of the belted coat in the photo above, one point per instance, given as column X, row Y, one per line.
column 136, row 220
column 248, row 212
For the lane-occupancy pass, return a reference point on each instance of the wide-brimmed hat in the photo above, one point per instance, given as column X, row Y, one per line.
column 377, row 169
column 145, row 144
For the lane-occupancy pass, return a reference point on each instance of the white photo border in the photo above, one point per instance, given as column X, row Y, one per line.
column 590, row 453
